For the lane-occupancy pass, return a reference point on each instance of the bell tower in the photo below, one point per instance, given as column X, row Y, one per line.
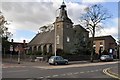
column 62, row 27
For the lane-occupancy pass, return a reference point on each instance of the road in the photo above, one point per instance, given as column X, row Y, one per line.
column 88, row 70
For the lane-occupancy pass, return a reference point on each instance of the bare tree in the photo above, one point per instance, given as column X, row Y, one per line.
column 94, row 15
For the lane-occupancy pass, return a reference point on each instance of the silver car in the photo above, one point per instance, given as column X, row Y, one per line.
column 106, row 58
column 57, row 60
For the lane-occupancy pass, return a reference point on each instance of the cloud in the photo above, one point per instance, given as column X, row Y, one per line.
column 98, row 1
column 75, row 10
column 30, row 15
column 33, row 15
column 110, row 29
column 92, row 1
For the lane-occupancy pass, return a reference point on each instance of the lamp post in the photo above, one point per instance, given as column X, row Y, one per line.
column 55, row 39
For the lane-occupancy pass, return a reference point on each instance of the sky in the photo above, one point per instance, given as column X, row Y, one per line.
column 27, row 16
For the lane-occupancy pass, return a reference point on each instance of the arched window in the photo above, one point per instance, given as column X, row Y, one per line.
column 50, row 48
column 57, row 39
column 39, row 48
column 68, row 39
column 35, row 48
column 44, row 49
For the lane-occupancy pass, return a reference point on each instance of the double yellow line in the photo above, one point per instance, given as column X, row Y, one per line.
column 109, row 73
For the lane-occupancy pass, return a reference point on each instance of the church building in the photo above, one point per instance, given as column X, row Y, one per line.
column 64, row 38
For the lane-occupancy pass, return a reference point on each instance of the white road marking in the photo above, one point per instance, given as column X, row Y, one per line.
column 88, row 71
column 82, row 72
column 47, row 76
column 40, row 77
column 18, row 71
column 96, row 70
column 63, row 74
column 54, row 75
column 13, row 66
column 91, row 71
column 76, row 73
column 69, row 73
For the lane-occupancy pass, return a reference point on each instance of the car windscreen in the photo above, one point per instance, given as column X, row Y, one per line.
column 60, row 58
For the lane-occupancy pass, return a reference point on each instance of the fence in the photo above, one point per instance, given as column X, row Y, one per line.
column 45, row 58
column 80, row 57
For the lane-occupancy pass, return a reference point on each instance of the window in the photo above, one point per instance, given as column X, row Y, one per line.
column 58, row 39
column 84, row 38
column 68, row 39
column 58, row 26
column 67, row 26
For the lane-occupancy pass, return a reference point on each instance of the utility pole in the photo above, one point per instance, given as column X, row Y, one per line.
column 55, row 39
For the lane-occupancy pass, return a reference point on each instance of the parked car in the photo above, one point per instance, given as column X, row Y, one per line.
column 106, row 58
column 57, row 60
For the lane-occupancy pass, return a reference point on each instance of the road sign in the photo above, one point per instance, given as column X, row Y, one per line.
column 16, row 49
column 11, row 48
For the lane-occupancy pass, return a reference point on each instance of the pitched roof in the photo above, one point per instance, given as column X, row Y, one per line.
column 103, row 37
column 43, row 38
column 48, row 37
column 79, row 26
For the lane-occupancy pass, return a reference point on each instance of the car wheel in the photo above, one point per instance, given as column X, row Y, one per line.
column 66, row 62
column 56, row 63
